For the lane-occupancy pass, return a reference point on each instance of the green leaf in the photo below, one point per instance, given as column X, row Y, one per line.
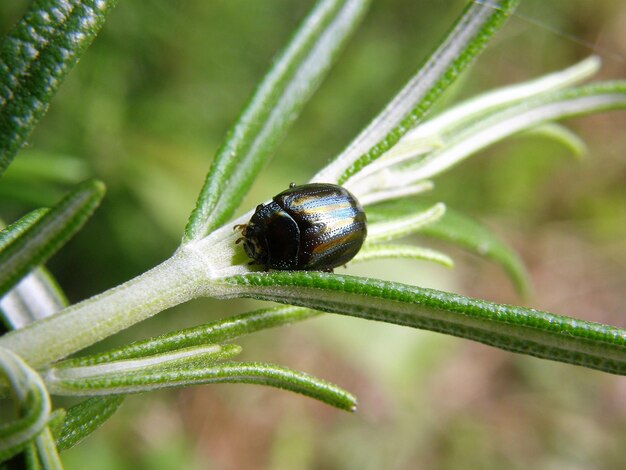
column 437, row 144
column 215, row 332
column 48, row 234
column 272, row 109
column 47, row 451
column 32, row 404
column 35, row 297
column 31, row 457
column 369, row 252
column 517, row 329
column 38, row 295
column 56, row 421
column 467, row 38
column 370, row 196
column 235, row 372
column 86, row 417
column 463, row 231
column 485, row 104
column 35, row 57
column 184, row 358
column 401, row 226
column 11, row 233
column 463, row 142
column 475, row 237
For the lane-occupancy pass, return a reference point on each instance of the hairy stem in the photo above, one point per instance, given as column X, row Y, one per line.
column 180, row 278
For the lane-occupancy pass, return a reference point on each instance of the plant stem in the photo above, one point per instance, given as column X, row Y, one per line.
column 184, row 276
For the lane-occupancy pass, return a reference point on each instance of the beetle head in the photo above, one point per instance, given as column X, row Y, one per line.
column 255, row 243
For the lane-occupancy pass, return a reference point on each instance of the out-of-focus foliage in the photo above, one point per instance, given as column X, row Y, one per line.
column 150, row 102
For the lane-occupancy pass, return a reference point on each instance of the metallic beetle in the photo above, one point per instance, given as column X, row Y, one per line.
column 312, row 227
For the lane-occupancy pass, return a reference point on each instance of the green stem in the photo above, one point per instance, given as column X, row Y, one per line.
column 182, row 277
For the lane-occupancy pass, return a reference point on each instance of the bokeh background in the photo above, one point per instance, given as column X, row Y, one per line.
column 145, row 111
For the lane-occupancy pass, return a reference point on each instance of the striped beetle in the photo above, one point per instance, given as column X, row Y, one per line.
column 312, row 227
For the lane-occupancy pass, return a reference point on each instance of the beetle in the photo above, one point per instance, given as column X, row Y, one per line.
column 311, row 227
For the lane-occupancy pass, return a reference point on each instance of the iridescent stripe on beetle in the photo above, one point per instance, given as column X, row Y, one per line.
column 315, row 226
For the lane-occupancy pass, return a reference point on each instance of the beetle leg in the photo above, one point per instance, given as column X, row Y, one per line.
column 239, row 240
column 328, row 270
column 242, row 228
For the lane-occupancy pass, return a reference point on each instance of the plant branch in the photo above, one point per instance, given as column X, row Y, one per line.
column 182, row 277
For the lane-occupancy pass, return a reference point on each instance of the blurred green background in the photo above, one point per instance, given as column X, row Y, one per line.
column 146, row 109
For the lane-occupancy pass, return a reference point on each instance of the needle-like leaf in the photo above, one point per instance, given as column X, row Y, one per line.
column 86, row 417
column 210, row 333
column 391, row 228
column 11, row 233
column 47, row 452
column 463, row 231
column 35, row 57
column 36, row 296
column 517, row 329
column 552, row 106
column 180, row 359
column 230, row 372
column 376, row 251
column 475, row 109
column 275, row 105
column 32, row 403
column 48, row 234
column 467, row 38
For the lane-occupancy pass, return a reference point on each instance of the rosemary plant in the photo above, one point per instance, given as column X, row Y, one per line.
column 393, row 160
